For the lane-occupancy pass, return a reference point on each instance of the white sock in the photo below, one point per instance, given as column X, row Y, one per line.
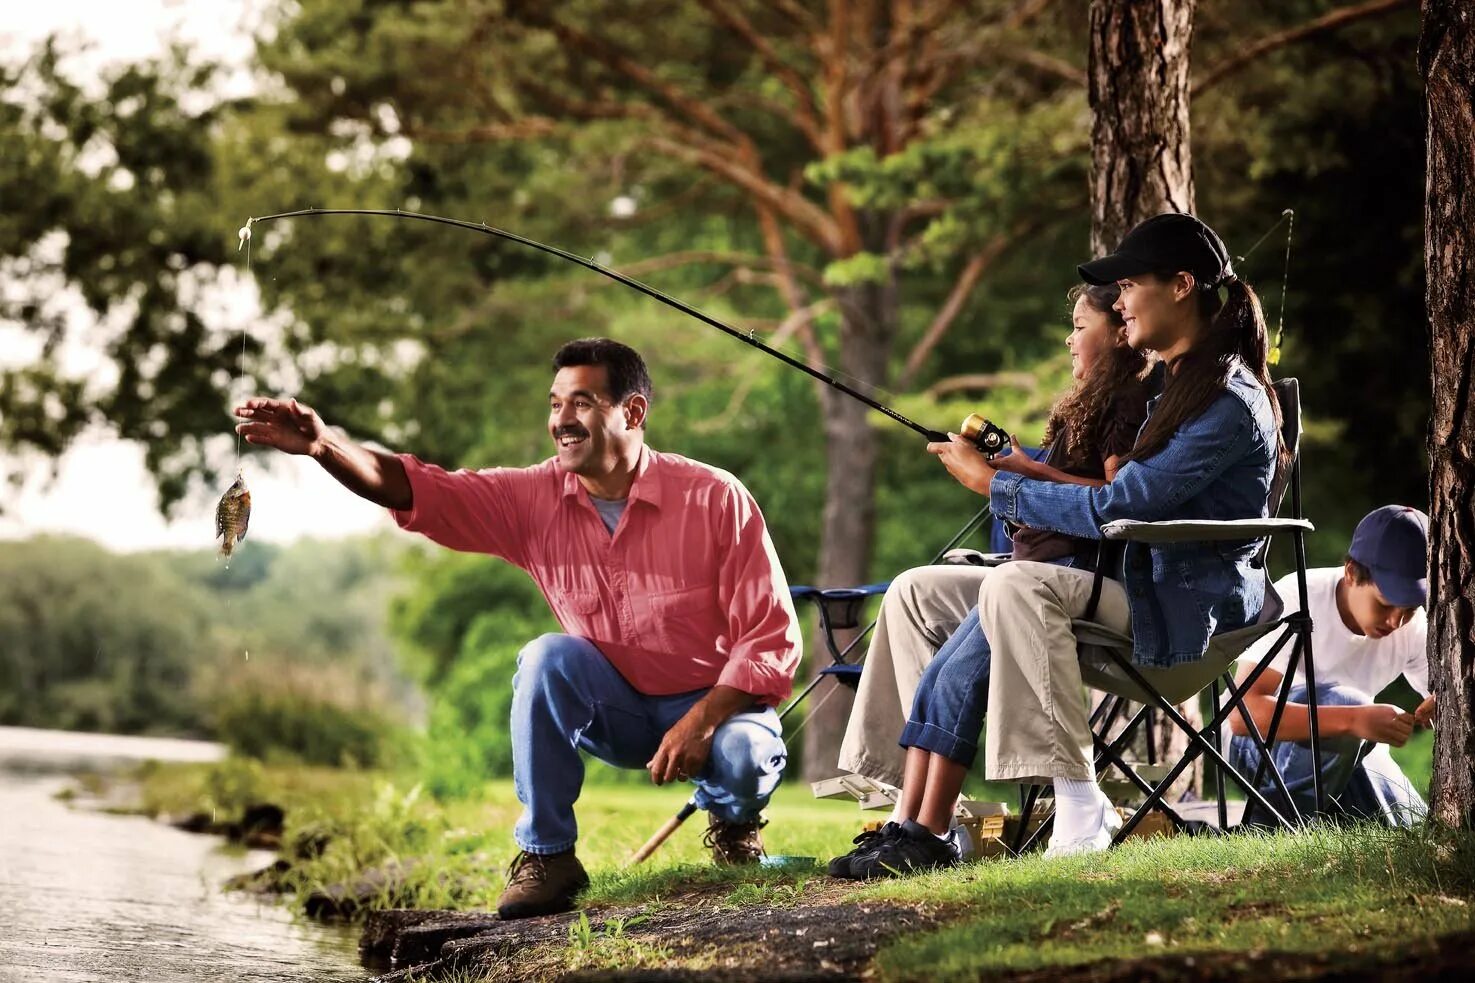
column 1079, row 809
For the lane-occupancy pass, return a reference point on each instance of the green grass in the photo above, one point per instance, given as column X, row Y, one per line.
column 1354, row 893
column 1348, row 893
column 461, row 848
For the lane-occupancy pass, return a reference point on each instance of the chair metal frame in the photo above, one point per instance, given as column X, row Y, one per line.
column 1124, row 681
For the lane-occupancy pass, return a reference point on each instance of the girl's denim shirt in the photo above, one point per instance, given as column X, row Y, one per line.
column 1216, row 466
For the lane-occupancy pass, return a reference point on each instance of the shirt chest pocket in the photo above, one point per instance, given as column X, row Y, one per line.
column 578, row 605
column 681, row 621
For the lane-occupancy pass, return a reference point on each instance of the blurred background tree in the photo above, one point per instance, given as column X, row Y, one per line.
column 898, row 191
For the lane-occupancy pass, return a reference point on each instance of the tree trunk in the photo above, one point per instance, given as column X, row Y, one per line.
column 1142, row 165
column 868, row 325
column 1447, row 58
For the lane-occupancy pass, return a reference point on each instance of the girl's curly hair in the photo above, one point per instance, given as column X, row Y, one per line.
column 1077, row 418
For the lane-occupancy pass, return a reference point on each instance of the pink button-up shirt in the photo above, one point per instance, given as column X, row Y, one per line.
column 686, row 594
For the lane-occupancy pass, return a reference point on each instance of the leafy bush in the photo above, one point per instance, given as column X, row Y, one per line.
column 469, row 738
column 317, row 717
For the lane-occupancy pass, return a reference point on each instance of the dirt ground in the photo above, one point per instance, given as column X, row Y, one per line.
column 699, row 936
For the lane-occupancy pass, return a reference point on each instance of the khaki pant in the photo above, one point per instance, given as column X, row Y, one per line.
column 920, row 611
column 1037, row 721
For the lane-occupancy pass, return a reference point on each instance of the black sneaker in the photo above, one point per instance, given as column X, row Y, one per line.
column 910, row 849
column 866, row 845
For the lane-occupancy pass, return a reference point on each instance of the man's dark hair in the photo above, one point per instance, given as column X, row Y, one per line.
column 1360, row 573
column 622, row 364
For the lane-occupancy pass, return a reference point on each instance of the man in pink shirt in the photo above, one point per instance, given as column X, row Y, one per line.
column 679, row 633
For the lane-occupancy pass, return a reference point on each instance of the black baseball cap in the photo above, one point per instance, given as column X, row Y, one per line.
column 1167, row 242
column 1393, row 543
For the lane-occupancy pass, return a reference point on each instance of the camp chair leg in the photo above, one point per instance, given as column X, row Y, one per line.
column 1262, row 744
column 1114, row 751
column 1196, row 740
column 1219, row 775
column 1021, row 843
column 1143, row 785
column 1299, row 537
column 1298, row 631
column 1102, row 717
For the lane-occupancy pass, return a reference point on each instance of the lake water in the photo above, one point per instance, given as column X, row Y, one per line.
column 88, row 896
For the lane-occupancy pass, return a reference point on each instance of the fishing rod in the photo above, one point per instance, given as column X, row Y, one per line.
column 985, row 435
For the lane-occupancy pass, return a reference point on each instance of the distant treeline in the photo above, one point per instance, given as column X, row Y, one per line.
column 177, row 643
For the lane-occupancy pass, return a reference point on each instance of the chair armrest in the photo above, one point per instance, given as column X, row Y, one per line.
column 1199, row 530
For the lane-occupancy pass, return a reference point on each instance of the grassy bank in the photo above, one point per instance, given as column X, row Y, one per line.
column 1339, row 897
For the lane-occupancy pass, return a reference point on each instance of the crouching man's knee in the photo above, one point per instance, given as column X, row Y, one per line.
column 747, row 761
column 552, row 654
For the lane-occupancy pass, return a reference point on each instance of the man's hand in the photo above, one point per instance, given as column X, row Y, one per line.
column 1384, row 723
column 684, row 750
column 284, row 424
column 965, row 462
column 1424, row 712
column 687, row 745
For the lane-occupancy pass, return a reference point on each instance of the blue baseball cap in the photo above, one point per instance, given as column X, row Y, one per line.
column 1393, row 543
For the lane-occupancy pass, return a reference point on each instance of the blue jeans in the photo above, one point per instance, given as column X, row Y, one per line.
column 1376, row 788
column 952, row 698
column 566, row 697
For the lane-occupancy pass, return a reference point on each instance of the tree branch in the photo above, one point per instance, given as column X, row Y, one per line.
column 806, row 215
column 527, row 128
column 978, row 382
column 807, row 118
column 617, row 61
column 962, row 289
column 726, row 258
column 1271, row 42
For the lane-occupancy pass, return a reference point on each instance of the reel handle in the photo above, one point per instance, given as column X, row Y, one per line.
column 989, row 438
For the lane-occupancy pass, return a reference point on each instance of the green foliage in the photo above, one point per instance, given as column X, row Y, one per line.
column 158, row 642
column 86, row 644
column 462, row 627
column 316, row 717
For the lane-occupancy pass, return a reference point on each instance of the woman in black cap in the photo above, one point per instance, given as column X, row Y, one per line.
column 1208, row 450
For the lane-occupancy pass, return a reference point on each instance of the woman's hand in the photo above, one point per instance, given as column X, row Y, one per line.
column 965, row 462
column 1017, row 461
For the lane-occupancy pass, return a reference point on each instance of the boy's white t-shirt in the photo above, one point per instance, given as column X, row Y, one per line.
column 1342, row 657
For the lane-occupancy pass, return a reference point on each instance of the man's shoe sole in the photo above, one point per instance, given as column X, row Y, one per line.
column 514, row 912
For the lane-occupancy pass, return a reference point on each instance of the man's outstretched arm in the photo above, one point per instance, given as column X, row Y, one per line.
column 292, row 428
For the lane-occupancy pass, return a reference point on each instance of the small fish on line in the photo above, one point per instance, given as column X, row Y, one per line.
column 232, row 516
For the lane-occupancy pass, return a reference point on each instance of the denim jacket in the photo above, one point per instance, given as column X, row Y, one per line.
column 1216, row 466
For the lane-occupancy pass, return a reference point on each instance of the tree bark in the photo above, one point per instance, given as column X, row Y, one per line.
column 869, row 320
column 1447, row 59
column 1142, row 165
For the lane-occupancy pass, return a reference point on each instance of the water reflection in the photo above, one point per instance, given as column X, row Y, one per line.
column 90, row 896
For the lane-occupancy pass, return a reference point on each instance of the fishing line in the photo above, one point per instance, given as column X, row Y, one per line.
column 1289, row 217
column 244, row 239
column 747, row 338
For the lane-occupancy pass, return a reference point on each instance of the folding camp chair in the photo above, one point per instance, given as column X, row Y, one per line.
column 1106, row 660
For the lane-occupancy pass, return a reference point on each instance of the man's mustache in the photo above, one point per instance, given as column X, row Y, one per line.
column 562, row 432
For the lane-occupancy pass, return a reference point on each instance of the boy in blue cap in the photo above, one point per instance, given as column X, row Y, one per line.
column 1368, row 628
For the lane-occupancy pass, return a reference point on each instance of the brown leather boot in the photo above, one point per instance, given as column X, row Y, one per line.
column 541, row 884
column 735, row 844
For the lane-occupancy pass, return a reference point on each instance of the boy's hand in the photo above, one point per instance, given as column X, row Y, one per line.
column 1424, row 712
column 1384, row 723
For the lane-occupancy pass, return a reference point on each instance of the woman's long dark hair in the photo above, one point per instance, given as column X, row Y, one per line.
column 1236, row 329
column 1075, row 420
